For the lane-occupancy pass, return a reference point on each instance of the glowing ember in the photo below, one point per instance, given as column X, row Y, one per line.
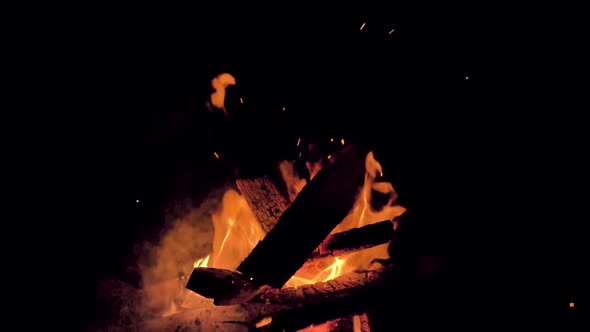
column 241, row 101
column 298, row 141
column 362, row 26
column 342, row 141
column 571, row 304
column 331, row 140
column 263, row 322
column 392, row 30
column 216, row 155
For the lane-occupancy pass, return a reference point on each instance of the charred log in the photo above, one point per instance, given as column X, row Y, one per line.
column 224, row 286
column 264, row 198
column 349, row 294
column 355, row 239
column 346, row 286
column 319, row 207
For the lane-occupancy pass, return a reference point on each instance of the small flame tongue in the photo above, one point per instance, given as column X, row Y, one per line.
column 202, row 262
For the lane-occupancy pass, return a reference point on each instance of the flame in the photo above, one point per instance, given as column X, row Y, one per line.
column 202, row 262
column 292, row 180
column 237, row 231
column 313, row 168
column 220, row 84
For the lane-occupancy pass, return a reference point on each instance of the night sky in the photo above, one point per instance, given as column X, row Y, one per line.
column 480, row 114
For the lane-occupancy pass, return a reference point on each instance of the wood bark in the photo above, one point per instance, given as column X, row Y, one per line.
column 264, row 198
column 355, row 239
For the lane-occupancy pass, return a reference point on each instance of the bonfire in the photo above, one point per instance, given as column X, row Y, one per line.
column 289, row 251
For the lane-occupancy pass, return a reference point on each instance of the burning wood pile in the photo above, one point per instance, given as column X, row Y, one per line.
column 320, row 260
column 291, row 252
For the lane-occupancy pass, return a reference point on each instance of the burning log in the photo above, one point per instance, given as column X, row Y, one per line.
column 224, row 286
column 355, row 239
column 264, row 199
column 302, row 227
column 290, row 308
column 350, row 294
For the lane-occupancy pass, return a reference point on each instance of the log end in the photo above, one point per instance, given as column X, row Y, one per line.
column 225, row 287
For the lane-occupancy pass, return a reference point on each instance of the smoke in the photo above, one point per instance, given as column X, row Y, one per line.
column 164, row 266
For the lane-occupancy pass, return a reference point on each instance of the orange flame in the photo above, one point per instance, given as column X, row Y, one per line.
column 220, row 84
column 237, row 230
column 202, row 262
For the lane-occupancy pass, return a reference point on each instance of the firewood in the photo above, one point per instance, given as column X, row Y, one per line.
column 224, row 286
column 264, row 198
column 349, row 294
column 320, row 206
column 229, row 287
column 355, row 239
